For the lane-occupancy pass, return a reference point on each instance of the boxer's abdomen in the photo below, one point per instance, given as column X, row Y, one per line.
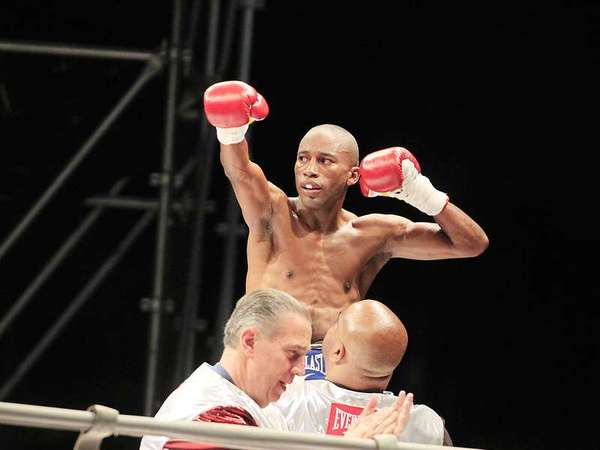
column 325, row 284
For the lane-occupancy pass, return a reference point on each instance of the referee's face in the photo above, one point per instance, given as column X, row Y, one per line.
column 279, row 357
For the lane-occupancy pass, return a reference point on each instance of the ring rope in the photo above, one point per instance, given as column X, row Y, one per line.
column 235, row 436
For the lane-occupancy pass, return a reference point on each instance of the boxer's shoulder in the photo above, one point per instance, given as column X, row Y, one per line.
column 277, row 193
column 378, row 219
column 380, row 224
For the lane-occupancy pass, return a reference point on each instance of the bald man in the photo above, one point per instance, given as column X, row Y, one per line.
column 361, row 350
column 309, row 246
column 265, row 339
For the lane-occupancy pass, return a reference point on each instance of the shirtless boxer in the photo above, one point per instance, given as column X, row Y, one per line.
column 361, row 350
column 309, row 246
column 265, row 340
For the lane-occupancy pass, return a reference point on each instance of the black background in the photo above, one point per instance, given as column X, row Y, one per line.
column 498, row 103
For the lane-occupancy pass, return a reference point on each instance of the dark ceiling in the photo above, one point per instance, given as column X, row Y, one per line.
column 499, row 102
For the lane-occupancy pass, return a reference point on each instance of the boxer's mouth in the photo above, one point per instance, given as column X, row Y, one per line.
column 311, row 186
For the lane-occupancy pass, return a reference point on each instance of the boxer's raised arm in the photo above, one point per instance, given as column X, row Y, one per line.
column 231, row 106
column 427, row 240
column 395, row 172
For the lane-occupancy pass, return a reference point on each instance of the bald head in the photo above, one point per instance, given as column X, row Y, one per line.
column 338, row 138
column 364, row 346
column 376, row 337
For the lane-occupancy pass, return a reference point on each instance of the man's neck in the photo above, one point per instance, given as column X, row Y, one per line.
column 232, row 363
column 324, row 219
column 357, row 382
column 374, row 390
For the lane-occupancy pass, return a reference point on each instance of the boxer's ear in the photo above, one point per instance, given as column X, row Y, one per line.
column 354, row 176
column 248, row 340
column 339, row 353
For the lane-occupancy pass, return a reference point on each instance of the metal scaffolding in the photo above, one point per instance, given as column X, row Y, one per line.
column 175, row 58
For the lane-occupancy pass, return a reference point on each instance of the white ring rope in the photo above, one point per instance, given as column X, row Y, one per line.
column 235, row 436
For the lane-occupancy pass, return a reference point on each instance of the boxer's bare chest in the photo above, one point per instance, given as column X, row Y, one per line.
column 321, row 269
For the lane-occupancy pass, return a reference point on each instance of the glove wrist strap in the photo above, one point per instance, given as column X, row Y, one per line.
column 228, row 136
column 421, row 194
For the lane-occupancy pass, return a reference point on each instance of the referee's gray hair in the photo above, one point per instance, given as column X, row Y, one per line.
column 263, row 309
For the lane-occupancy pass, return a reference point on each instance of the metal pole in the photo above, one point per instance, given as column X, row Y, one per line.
column 164, row 211
column 214, row 74
column 230, row 274
column 205, row 153
column 74, row 50
column 187, row 48
column 214, row 14
column 147, row 73
column 55, row 261
column 84, row 294
column 139, row 203
column 247, row 32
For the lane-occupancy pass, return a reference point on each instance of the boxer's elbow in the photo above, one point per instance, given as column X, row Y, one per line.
column 475, row 246
column 483, row 242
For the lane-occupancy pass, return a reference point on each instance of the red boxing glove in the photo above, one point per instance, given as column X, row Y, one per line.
column 381, row 171
column 219, row 414
column 395, row 172
column 228, row 414
column 230, row 106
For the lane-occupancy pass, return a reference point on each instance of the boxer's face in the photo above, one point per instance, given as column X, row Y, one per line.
column 322, row 170
column 279, row 357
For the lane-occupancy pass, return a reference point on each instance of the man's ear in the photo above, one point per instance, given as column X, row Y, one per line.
column 248, row 338
column 338, row 353
column 354, row 176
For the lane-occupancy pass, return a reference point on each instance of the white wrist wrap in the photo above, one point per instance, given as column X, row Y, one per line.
column 418, row 191
column 229, row 136
column 422, row 195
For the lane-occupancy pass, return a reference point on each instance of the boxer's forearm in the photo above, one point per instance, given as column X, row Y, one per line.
column 465, row 235
column 230, row 106
column 249, row 183
column 235, row 159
